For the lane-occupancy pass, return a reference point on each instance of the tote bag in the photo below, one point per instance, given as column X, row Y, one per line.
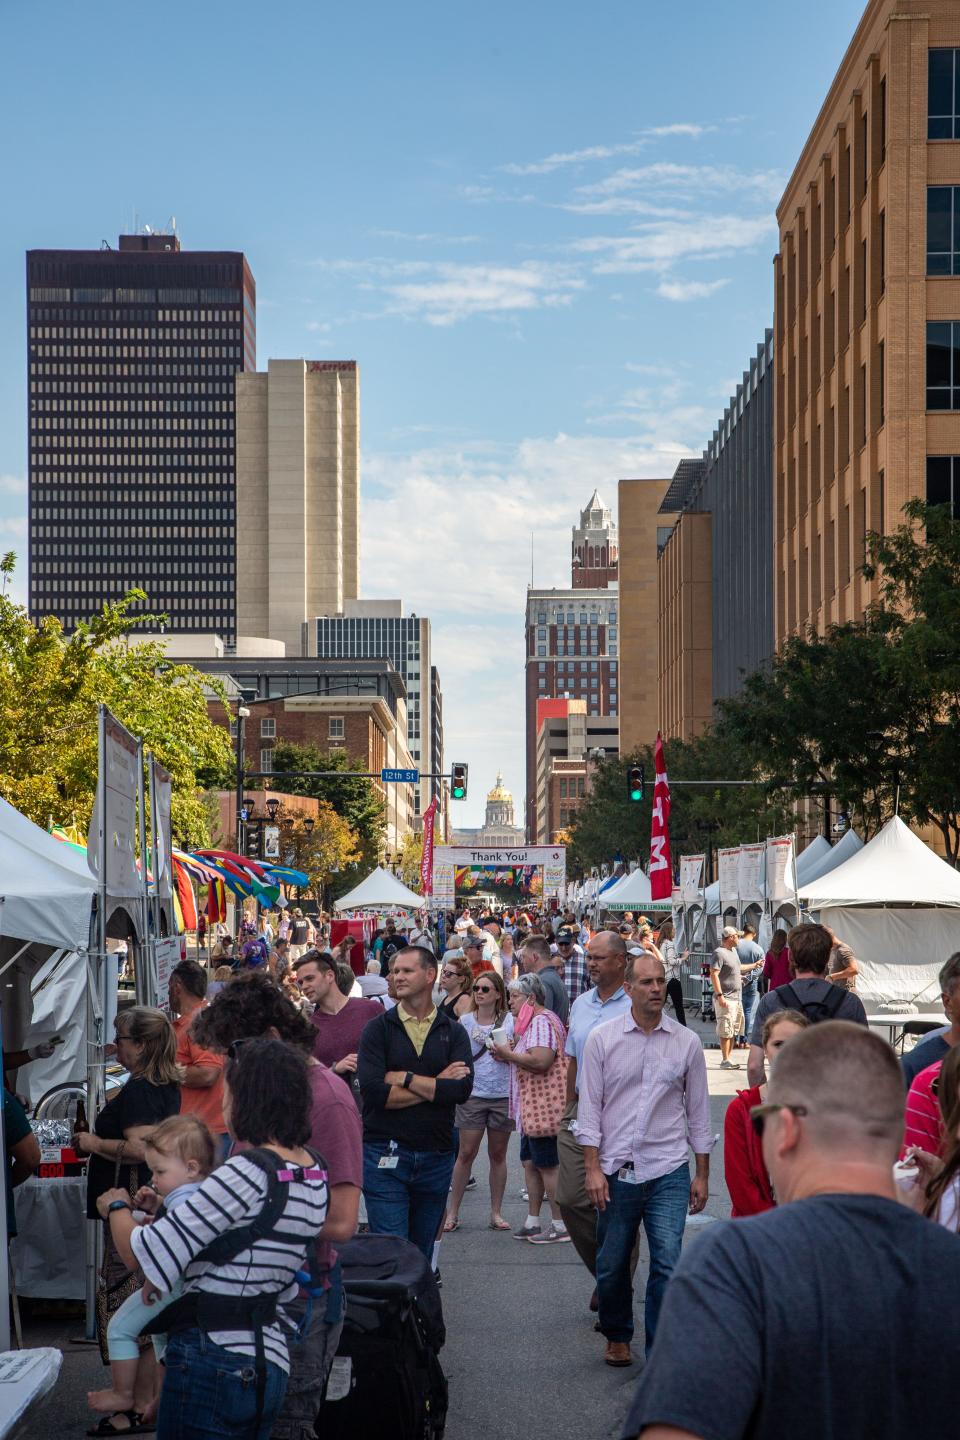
column 544, row 1097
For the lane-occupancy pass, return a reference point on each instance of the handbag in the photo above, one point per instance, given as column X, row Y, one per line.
column 116, row 1283
column 543, row 1098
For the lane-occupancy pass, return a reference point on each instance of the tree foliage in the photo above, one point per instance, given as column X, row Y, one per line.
column 51, row 686
column 869, row 712
column 351, row 796
column 325, row 851
column 608, row 825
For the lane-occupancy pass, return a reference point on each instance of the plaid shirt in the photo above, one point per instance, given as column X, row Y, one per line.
column 573, row 968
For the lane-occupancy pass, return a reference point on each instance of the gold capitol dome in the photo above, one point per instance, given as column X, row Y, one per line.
column 499, row 791
column 499, row 805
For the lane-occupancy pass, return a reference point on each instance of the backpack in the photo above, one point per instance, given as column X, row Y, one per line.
column 815, row 1010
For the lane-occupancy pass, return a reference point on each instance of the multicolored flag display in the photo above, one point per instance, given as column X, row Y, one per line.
column 661, row 869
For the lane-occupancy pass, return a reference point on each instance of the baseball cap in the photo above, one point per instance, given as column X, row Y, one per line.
column 727, row 931
column 565, row 937
column 472, row 941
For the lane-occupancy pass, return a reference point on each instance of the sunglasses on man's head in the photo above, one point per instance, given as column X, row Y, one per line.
column 760, row 1113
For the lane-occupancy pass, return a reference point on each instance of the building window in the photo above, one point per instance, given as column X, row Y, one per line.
column 233, row 729
column 541, row 649
column 268, row 729
column 943, row 95
column 266, row 760
column 563, row 789
column 943, row 482
column 943, row 230
column 541, row 617
column 943, row 365
column 335, row 731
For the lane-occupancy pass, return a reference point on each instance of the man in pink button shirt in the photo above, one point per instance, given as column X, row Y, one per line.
column 643, row 1101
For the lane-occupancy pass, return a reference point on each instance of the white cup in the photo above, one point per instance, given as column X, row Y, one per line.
column 499, row 1036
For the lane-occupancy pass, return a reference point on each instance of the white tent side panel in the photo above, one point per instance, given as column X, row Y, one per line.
column 900, row 951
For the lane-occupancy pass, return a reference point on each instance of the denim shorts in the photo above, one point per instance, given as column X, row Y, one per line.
column 540, row 1151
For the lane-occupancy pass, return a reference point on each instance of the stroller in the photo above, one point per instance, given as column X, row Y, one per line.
column 392, row 1333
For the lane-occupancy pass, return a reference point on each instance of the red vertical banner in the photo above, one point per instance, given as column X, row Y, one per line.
column 661, row 869
column 426, row 860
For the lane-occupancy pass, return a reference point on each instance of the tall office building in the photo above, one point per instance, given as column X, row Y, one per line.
column 643, row 529
column 372, row 628
column 132, row 355
column 867, row 310
column 715, row 569
column 298, row 496
column 594, row 547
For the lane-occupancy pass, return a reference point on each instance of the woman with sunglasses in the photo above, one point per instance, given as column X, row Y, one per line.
column 456, row 982
column 936, row 1191
column 743, row 1167
column 488, row 1106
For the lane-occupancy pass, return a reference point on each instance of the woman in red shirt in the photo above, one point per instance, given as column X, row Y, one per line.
column 777, row 969
column 743, row 1167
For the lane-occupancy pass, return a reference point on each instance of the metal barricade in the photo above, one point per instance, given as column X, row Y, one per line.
column 697, row 989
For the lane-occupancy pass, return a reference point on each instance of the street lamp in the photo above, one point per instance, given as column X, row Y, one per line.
column 273, row 805
column 308, row 825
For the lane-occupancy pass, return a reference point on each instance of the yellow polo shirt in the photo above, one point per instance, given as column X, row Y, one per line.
column 418, row 1030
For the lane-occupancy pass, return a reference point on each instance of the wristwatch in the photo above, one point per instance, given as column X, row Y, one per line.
column 408, row 1080
column 118, row 1205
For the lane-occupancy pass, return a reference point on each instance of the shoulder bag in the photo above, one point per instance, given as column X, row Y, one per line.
column 543, row 1098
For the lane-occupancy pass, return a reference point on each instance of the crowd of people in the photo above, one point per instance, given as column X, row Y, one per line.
column 354, row 1090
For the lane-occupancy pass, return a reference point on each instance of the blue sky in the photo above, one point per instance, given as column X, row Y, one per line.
column 544, row 231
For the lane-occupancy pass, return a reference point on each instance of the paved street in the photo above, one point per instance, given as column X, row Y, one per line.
column 522, row 1356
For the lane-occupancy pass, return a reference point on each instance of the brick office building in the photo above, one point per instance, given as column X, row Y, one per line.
column 867, row 310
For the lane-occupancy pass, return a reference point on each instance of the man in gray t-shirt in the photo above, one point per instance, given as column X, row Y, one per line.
column 727, row 984
column 537, row 957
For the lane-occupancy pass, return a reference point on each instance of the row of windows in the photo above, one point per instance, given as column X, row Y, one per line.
column 69, row 514
column 110, row 404
column 128, row 424
column 583, row 665
column 133, row 332
column 152, row 388
column 100, row 495
column 106, row 295
column 120, row 485
column 611, row 649
column 110, row 353
column 41, row 315
column 69, row 372
column 572, row 788
column 595, row 617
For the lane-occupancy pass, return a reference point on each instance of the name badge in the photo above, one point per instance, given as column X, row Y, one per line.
column 388, row 1162
column 628, row 1175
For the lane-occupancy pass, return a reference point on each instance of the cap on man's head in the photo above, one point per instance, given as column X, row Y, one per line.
column 472, row 942
column 727, row 931
column 565, row 937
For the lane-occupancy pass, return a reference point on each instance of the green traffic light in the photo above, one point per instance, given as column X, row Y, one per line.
column 636, row 794
column 458, row 792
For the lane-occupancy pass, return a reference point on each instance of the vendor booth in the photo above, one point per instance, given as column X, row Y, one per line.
column 897, row 905
column 382, row 892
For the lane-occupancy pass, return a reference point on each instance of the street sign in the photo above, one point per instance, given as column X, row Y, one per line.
column 399, row 777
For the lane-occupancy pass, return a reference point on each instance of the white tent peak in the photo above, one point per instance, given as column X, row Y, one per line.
column 894, row 868
column 811, row 856
column 380, row 890
column 847, row 845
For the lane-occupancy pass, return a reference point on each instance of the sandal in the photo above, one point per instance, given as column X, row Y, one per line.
column 137, row 1425
column 450, row 1226
column 499, row 1225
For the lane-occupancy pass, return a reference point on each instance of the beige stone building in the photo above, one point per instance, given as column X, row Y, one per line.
column 641, row 527
column 298, row 495
column 685, row 651
column 867, row 310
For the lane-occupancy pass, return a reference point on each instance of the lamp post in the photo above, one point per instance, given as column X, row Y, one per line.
column 242, row 715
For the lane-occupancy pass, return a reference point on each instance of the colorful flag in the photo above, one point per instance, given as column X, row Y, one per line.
column 426, row 859
column 661, row 870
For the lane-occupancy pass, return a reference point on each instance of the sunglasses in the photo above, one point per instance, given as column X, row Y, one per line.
column 233, row 1049
column 483, row 989
column 759, row 1114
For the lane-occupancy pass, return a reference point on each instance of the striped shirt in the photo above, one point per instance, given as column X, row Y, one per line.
column 922, row 1120
column 643, row 1096
column 231, row 1197
column 573, row 967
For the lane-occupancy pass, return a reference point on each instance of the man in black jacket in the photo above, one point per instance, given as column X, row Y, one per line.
column 414, row 1068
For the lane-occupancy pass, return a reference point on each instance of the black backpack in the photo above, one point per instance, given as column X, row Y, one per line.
column 815, row 1010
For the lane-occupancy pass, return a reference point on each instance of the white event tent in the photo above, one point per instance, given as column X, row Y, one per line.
column 382, row 891
column 632, row 892
column 818, row 850
column 897, row 905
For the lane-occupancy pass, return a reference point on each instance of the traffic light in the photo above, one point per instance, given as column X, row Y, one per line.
column 458, row 782
column 253, row 843
column 635, row 782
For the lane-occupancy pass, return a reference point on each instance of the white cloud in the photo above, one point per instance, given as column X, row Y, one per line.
column 659, row 246
column 13, row 485
column 564, row 158
column 426, row 237
column 689, row 289
column 449, row 529
column 445, row 292
column 14, row 526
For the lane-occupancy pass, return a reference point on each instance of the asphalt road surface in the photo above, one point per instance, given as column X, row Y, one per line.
column 522, row 1357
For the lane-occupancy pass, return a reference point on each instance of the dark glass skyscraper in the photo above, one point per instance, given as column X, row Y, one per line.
column 132, row 358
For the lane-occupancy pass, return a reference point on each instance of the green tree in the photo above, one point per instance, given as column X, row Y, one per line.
column 323, row 851
column 51, row 686
column 609, row 825
column 352, row 796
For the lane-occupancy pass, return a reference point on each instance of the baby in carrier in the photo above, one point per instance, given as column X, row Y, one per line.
column 180, row 1152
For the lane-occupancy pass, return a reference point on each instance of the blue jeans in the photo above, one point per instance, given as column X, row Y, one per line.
column 409, row 1200
column 210, row 1393
column 661, row 1206
column 750, row 999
